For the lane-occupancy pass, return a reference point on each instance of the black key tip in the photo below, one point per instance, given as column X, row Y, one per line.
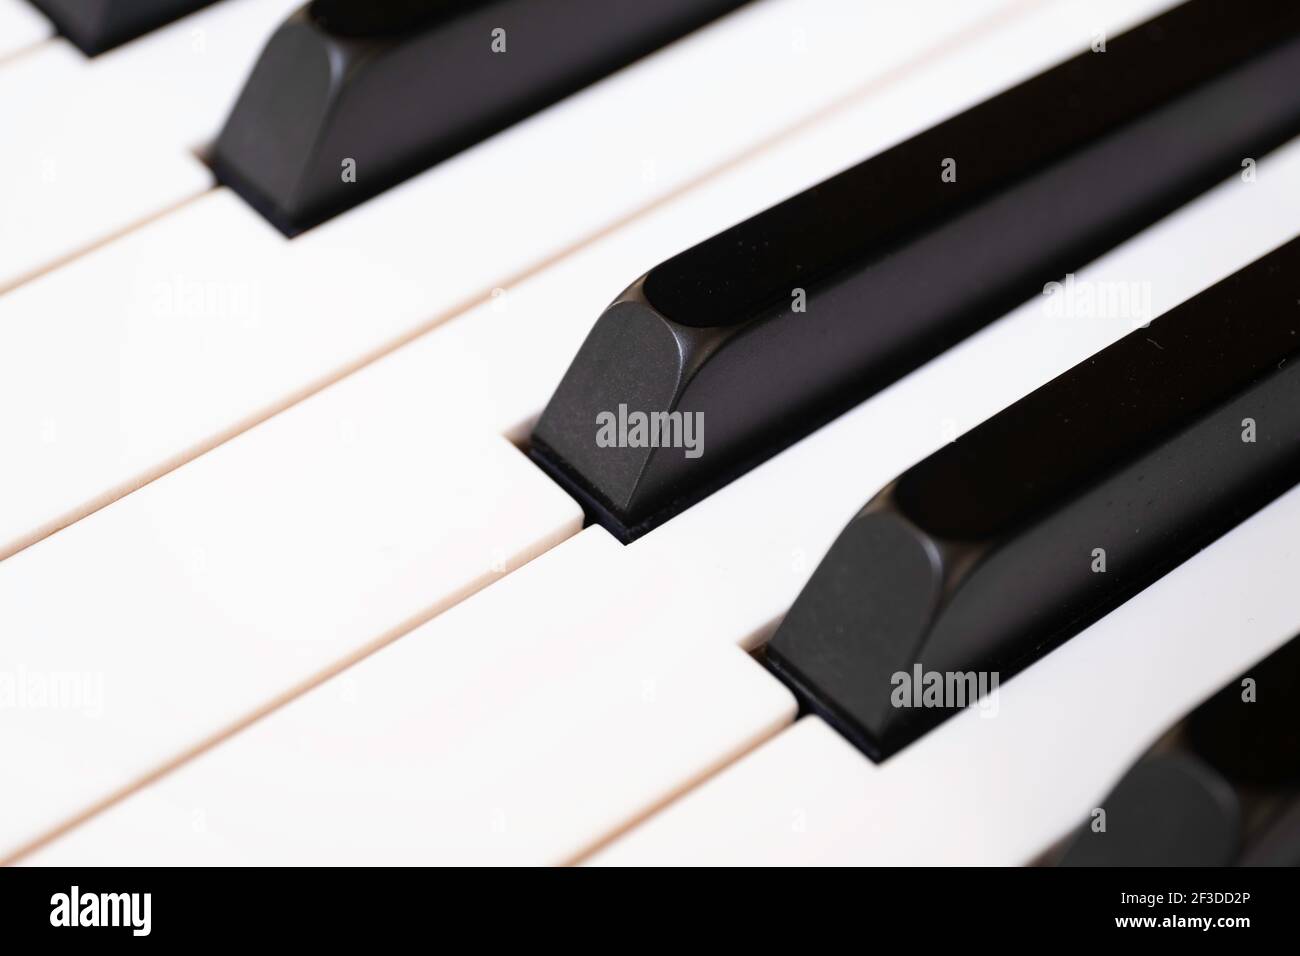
column 614, row 433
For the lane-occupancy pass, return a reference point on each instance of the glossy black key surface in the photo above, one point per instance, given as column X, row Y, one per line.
column 390, row 87
column 1014, row 537
column 1220, row 789
column 898, row 264
column 97, row 25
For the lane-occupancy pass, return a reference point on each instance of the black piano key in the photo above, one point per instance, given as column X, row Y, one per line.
column 1170, row 810
column 1278, row 842
column 349, row 98
column 1009, row 540
column 1252, row 733
column 897, row 264
column 97, row 25
column 1222, row 788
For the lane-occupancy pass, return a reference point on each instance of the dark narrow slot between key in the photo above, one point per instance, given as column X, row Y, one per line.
column 1220, row 788
column 524, row 444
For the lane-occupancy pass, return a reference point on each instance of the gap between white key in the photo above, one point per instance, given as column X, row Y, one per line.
column 735, row 592
column 105, row 457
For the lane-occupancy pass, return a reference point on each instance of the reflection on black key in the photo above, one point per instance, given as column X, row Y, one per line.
column 351, row 97
column 1012, row 538
column 1220, row 789
column 766, row 330
column 97, row 25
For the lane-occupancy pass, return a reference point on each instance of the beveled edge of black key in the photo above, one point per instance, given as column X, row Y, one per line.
column 344, row 49
column 288, row 222
column 948, row 563
column 105, row 35
column 262, row 204
column 572, row 402
column 691, row 349
column 294, row 200
column 954, row 556
column 91, row 42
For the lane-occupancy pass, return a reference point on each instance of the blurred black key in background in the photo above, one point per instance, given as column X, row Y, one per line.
column 395, row 86
column 1169, row 810
column 1220, row 789
column 765, row 331
column 97, row 25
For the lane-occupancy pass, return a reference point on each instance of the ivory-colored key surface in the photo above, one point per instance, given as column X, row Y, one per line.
column 101, row 145
column 227, row 321
column 435, row 395
column 469, row 389
column 719, row 574
column 21, row 27
column 1004, row 780
column 173, row 616
column 477, row 739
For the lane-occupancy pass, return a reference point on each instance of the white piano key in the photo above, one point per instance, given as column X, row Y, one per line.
column 184, row 303
column 720, row 574
column 82, row 173
column 1000, row 788
column 733, row 593
column 21, row 26
column 168, row 619
column 206, row 57
column 476, row 739
column 96, row 146
column 817, row 787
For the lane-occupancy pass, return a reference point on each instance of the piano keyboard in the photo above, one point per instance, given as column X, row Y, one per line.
column 411, row 461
